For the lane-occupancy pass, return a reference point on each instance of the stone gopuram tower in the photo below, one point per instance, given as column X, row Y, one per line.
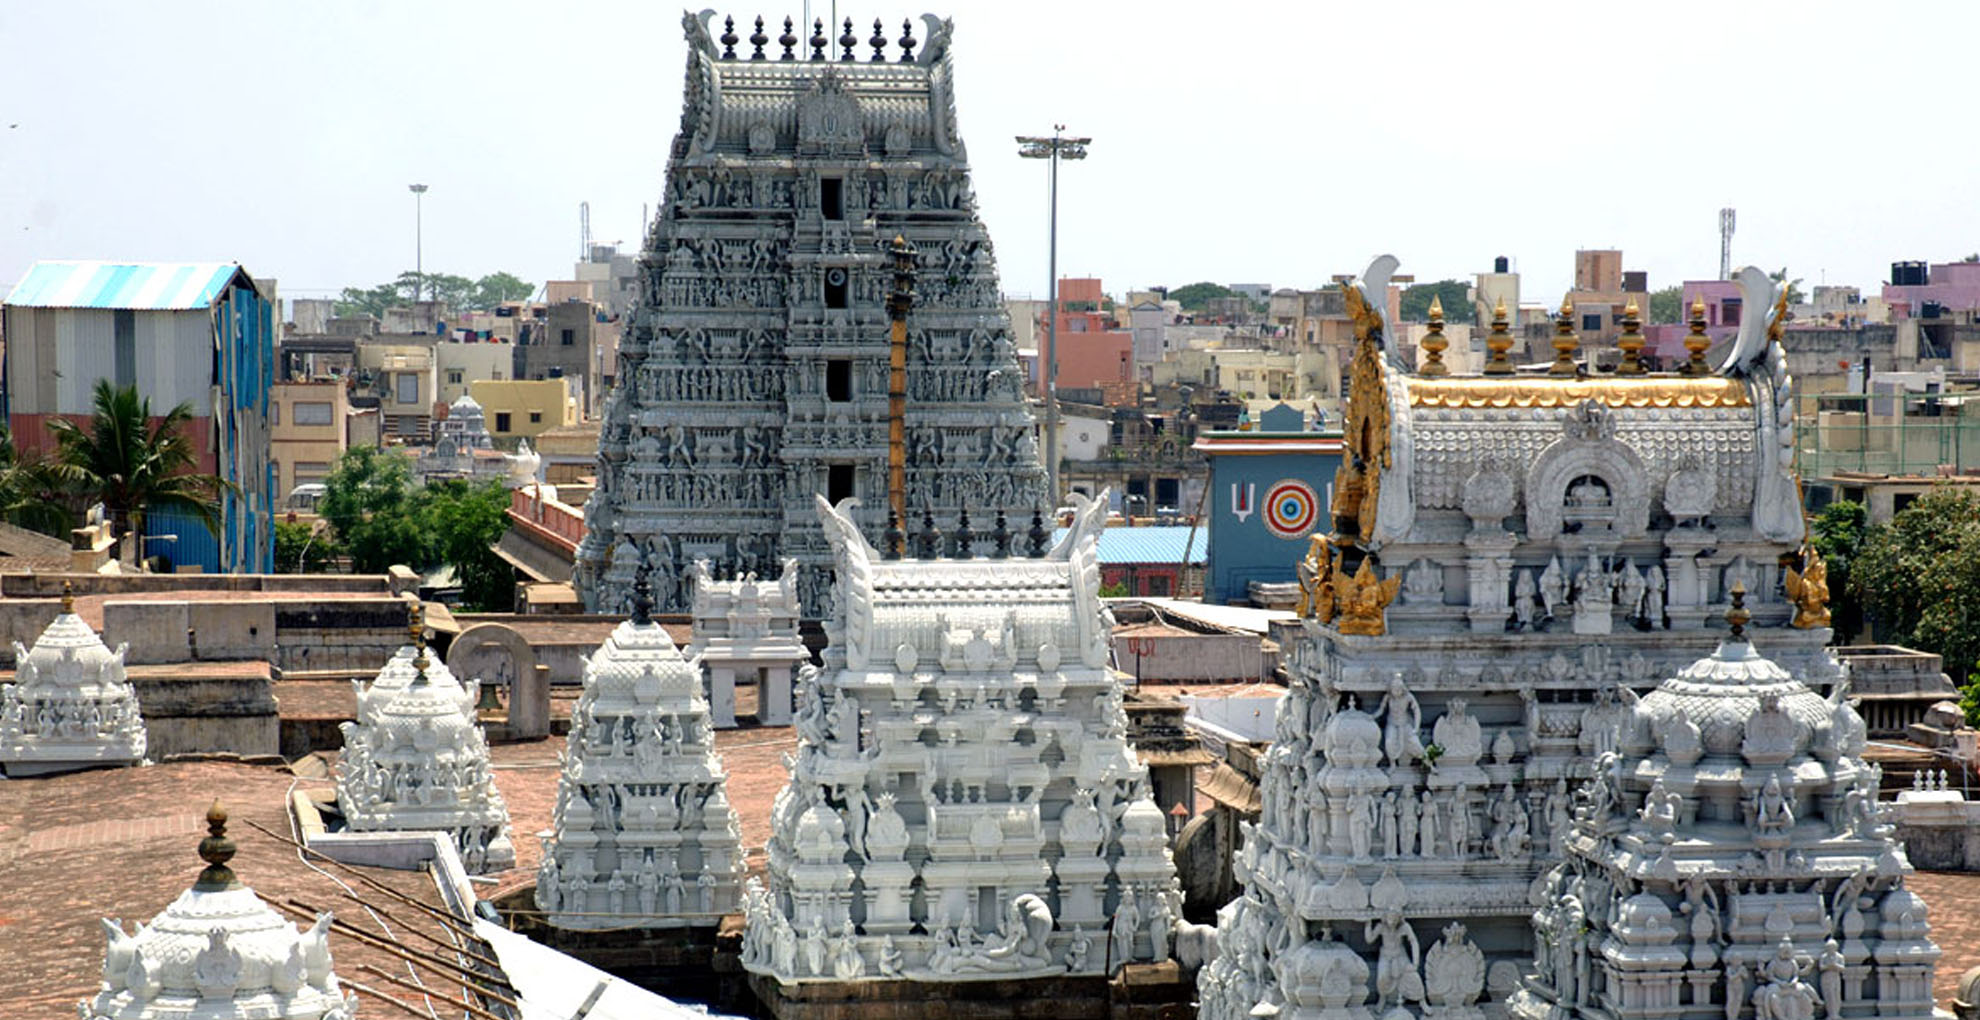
column 755, row 369
column 1513, row 557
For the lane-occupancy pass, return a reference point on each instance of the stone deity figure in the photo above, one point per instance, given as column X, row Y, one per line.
column 1571, row 951
column 1360, row 824
column 1784, row 996
column 814, row 946
column 1405, row 825
column 1459, row 734
column 1735, row 988
column 1460, row 822
column 1772, row 813
column 1524, row 593
column 1396, row 960
column 1553, row 588
column 1387, row 824
column 1830, row 964
column 1077, row 951
column 1429, row 825
column 1403, row 721
column 1127, row 921
column 1632, row 591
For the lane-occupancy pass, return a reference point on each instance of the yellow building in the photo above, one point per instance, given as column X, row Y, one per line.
column 523, row 408
column 306, row 432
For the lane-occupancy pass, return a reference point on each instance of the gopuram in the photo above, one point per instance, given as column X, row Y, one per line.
column 1513, row 557
column 755, row 367
column 963, row 804
column 419, row 762
column 644, row 834
column 1728, row 859
column 747, row 628
column 70, row 705
column 218, row 953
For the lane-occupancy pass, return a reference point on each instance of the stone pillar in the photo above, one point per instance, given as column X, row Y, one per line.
column 773, row 697
column 529, row 704
column 722, row 697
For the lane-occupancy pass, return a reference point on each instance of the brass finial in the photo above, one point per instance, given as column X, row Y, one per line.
column 1565, row 341
column 1434, row 343
column 1499, row 342
column 420, row 662
column 1631, row 342
column 216, row 850
column 1738, row 615
column 416, row 623
column 68, row 596
column 1696, row 343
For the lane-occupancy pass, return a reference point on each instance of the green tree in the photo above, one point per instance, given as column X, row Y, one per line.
column 1456, row 298
column 31, row 495
column 131, row 464
column 371, row 504
column 499, row 288
column 1196, row 296
column 1837, row 534
column 1794, row 294
column 303, row 547
column 370, row 301
column 1666, row 306
column 466, row 519
column 1918, row 577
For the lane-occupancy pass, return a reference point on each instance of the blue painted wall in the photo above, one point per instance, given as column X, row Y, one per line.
column 1244, row 547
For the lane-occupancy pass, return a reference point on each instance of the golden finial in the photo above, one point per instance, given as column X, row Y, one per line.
column 1631, row 342
column 1738, row 615
column 1565, row 341
column 216, row 850
column 68, row 596
column 1499, row 342
column 1434, row 343
column 1696, row 343
column 416, row 623
column 420, row 662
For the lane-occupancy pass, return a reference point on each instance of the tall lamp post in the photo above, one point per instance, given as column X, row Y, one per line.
column 419, row 241
column 1054, row 148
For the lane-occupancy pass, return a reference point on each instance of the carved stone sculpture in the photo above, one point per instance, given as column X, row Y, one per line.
column 70, row 705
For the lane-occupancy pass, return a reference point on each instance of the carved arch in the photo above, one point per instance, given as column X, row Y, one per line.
column 1565, row 460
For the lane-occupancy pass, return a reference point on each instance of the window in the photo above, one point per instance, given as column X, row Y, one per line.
column 310, row 412
column 408, row 384
column 123, row 326
column 836, row 287
column 838, row 482
column 832, row 198
column 311, row 471
column 1592, row 322
column 567, row 337
column 274, row 412
column 839, row 380
column 453, row 377
column 1157, row 586
column 501, row 421
column 536, row 417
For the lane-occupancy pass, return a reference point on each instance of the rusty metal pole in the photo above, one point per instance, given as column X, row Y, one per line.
column 899, row 301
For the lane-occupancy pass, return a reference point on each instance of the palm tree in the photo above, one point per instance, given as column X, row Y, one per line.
column 30, row 494
column 132, row 465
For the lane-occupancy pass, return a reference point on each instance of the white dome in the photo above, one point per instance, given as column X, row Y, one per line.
column 218, row 952
column 71, row 705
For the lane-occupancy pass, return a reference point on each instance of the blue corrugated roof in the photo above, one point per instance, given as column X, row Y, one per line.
column 158, row 286
column 1162, row 544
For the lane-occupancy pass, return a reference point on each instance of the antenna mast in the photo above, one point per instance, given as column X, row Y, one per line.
column 584, row 231
column 1726, row 218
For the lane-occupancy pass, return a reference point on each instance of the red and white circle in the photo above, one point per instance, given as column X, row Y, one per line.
column 1291, row 508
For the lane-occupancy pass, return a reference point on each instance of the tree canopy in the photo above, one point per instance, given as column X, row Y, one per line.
column 380, row 518
column 1918, row 579
column 1837, row 533
column 1197, row 296
column 1666, row 306
column 1455, row 296
column 459, row 292
column 132, row 465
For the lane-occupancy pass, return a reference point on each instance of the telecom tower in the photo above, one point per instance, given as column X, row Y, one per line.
column 1726, row 217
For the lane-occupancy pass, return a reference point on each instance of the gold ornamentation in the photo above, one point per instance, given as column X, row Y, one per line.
column 1548, row 391
column 1357, row 482
column 1362, row 598
column 1808, row 589
column 1316, row 579
column 1499, row 342
column 1631, row 341
column 1565, row 342
column 1696, row 342
column 1434, row 342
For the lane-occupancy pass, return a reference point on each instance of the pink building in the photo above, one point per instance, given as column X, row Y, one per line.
column 1916, row 289
column 1093, row 351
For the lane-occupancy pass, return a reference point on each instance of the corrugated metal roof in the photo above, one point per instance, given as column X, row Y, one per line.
column 1160, row 544
column 152, row 286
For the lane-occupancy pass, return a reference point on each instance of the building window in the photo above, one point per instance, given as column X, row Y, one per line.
column 536, row 417
column 839, row 380
column 123, row 326
column 408, row 383
column 274, row 412
column 567, row 337
column 311, row 471
column 1592, row 322
column 1156, row 585
column 837, row 287
column 453, row 377
column 501, row 421
column 310, row 412
column 832, row 198
column 838, row 482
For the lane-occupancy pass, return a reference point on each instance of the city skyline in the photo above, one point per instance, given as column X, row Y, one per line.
column 1282, row 145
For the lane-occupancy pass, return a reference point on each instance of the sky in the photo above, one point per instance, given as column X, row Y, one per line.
column 1238, row 143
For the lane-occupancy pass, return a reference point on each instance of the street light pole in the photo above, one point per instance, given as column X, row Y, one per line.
column 1054, row 148
column 419, row 241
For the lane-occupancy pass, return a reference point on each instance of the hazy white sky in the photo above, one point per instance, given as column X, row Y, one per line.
column 1259, row 143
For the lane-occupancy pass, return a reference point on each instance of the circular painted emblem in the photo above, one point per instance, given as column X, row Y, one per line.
column 1291, row 508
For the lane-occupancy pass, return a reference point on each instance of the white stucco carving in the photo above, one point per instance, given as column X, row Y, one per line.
column 70, row 705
